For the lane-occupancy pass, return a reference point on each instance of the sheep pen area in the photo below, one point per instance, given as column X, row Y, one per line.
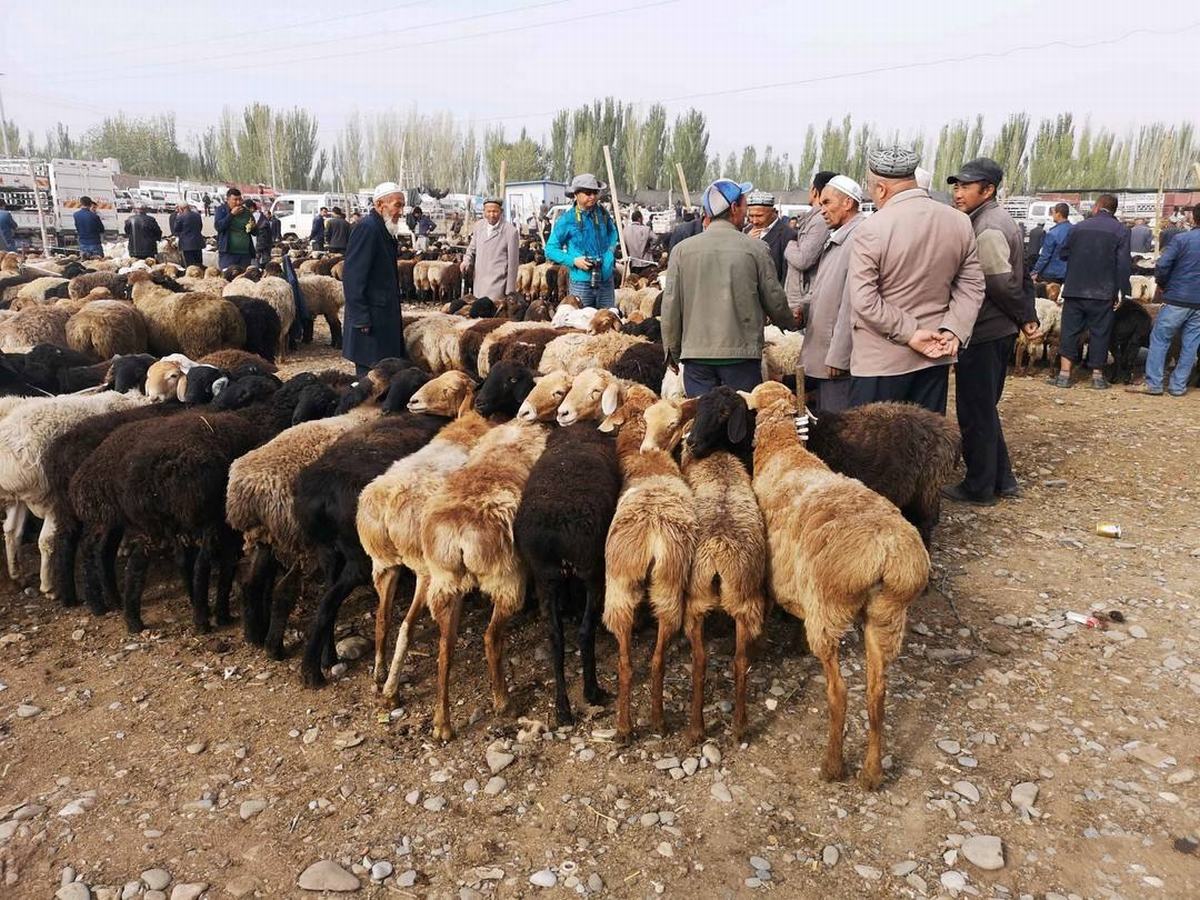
column 1075, row 747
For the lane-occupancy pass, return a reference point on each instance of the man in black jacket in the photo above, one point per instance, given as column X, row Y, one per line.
column 693, row 224
column 765, row 224
column 316, row 237
column 983, row 361
column 1098, row 270
column 189, row 231
column 1033, row 245
column 143, row 232
column 371, row 282
column 337, row 231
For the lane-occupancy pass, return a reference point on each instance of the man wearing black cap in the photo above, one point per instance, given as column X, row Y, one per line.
column 982, row 364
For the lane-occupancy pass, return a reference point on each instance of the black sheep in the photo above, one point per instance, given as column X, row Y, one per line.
column 326, row 505
column 42, row 365
column 560, row 530
column 262, row 325
column 504, row 390
column 1131, row 329
column 128, row 373
column 644, row 363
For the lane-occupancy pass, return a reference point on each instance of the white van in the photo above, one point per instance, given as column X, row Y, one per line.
column 1039, row 213
column 295, row 211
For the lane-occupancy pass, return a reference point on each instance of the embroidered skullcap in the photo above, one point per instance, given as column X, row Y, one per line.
column 893, row 162
column 760, row 198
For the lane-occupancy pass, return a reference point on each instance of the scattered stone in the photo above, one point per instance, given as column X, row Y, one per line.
column 666, row 763
column 499, row 760
column 984, row 851
column 953, row 881
column 1024, row 795
column 759, row 864
column 967, row 791
column 901, row 869
column 353, row 647
column 690, row 766
column 869, row 872
column 1150, row 755
column 649, row 820
column 189, row 891
column 495, row 785
column 251, row 808
column 156, row 879
column 1173, row 663
column 545, row 878
column 27, row 711
column 242, row 886
column 407, row 878
column 76, row 890
column 949, row 746
column 665, row 849
column 326, row 875
column 381, row 870
column 712, row 753
column 830, row 855
column 595, row 883
column 1183, row 776
column 604, row 734
column 434, row 804
column 197, row 748
column 1137, row 631
column 721, row 793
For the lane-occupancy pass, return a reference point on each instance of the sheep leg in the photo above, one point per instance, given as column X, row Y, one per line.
column 106, row 555
column 657, row 667
column 551, row 596
column 63, row 572
column 871, row 776
column 695, row 630
column 255, row 594
column 307, row 337
column 335, row 330
column 14, row 527
column 46, row 541
column 449, row 610
column 228, row 552
column 185, row 558
column 385, row 588
column 493, row 645
column 624, row 634
column 320, row 637
column 282, row 601
column 741, row 668
column 592, row 692
column 201, row 576
column 832, row 768
column 135, row 584
column 93, row 590
column 420, row 595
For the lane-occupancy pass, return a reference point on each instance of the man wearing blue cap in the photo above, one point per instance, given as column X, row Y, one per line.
column 721, row 286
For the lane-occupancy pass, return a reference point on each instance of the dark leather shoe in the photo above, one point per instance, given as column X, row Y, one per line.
column 956, row 493
column 1010, row 493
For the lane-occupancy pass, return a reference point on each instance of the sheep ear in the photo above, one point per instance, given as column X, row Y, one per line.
column 748, row 397
column 611, row 399
column 688, row 408
column 219, row 385
column 611, row 423
column 467, row 404
column 737, row 426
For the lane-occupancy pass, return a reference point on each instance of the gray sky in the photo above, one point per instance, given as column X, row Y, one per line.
column 516, row 61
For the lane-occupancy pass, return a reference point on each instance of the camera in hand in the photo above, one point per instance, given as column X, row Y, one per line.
column 594, row 263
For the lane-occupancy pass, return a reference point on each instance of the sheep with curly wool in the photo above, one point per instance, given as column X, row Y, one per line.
column 323, row 296
column 837, row 553
column 194, row 324
column 82, row 285
column 107, row 328
column 729, row 564
column 35, row 324
column 576, row 352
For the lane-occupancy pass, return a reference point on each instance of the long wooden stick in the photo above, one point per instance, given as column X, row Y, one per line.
column 687, row 197
column 503, row 186
column 612, row 186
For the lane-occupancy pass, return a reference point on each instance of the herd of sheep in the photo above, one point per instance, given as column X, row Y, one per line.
column 524, row 446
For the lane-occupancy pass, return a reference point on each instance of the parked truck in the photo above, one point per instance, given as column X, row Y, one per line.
column 55, row 186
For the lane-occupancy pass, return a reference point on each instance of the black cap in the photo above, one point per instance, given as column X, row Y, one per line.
column 982, row 169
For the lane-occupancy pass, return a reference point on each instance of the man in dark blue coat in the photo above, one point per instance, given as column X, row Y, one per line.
column 189, row 231
column 316, row 237
column 89, row 229
column 1098, row 270
column 374, row 328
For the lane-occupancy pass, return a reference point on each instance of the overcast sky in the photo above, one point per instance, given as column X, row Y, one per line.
column 516, row 61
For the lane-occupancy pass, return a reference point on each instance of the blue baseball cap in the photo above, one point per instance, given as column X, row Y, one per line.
column 722, row 194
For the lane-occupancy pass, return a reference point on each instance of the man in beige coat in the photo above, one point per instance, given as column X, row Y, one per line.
column 491, row 256
column 915, row 288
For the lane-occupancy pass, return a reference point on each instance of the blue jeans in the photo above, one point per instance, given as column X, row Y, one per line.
column 1169, row 322
column 741, row 375
column 601, row 296
column 241, row 260
column 91, row 249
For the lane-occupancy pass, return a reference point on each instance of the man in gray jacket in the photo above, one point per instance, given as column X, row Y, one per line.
column 801, row 254
column 721, row 285
column 1007, row 307
column 825, row 353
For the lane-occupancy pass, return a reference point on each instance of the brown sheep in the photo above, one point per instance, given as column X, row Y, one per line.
column 648, row 553
column 82, row 285
column 36, row 324
column 106, row 328
column 837, row 552
column 194, row 324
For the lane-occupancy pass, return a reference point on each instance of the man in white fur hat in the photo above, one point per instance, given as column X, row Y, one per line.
column 491, row 257
column 374, row 329
column 826, row 350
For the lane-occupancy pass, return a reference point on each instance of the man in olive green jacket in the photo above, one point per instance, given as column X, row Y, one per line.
column 721, row 286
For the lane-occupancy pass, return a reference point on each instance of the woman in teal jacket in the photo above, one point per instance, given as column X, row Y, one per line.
column 585, row 240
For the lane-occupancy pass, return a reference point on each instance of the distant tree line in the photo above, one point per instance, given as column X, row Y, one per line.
column 442, row 153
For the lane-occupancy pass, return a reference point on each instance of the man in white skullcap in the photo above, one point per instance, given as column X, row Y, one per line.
column 491, row 257
column 765, row 224
column 374, row 329
column 825, row 353
column 915, row 288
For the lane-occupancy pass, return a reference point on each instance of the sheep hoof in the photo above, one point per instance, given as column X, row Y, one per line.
column 313, row 676
column 695, row 736
column 135, row 626
column 203, row 627
column 504, row 707
column 597, row 697
column 443, row 732
column 563, row 716
column 870, row 779
column 624, row 736
column 224, row 620
column 832, row 771
column 275, row 651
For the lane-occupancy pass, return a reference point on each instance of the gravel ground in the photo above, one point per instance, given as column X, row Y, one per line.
column 1029, row 756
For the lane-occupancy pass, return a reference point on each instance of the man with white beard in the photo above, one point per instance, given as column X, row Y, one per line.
column 374, row 329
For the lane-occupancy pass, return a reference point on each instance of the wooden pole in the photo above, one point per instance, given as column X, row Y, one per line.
column 612, row 186
column 37, row 199
column 687, row 197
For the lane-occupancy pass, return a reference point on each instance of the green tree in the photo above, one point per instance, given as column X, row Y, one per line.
column 689, row 147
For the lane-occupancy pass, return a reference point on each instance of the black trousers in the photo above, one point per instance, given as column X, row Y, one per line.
column 193, row 257
column 1096, row 318
column 700, row 378
column 360, row 370
column 925, row 387
column 979, row 383
column 831, row 394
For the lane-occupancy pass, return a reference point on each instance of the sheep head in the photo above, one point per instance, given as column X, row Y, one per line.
column 571, row 300
column 604, row 320
column 162, row 379
column 450, row 394
column 593, row 394
column 505, row 389
column 638, row 399
column 548, row 392
column 401, row 388
column 665, row 423
column 722, row 421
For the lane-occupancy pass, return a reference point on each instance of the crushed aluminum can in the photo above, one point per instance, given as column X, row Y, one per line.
column 1108, row 529
column 1082, row 619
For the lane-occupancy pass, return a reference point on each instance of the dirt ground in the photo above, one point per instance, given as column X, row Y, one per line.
column 199, row 756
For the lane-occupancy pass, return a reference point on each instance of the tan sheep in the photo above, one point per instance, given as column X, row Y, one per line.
column 105, row 328
column 837, row 553
column 36, row 324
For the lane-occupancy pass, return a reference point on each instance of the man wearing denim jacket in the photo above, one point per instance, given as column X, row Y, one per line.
column 584, row 239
